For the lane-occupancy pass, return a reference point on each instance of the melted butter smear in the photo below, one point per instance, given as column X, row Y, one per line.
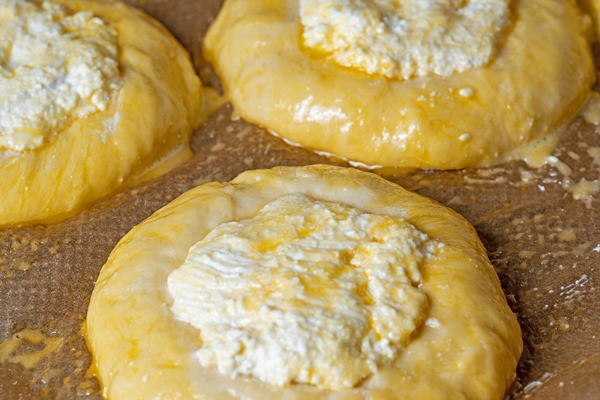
column 10, row 352
column 583, row 190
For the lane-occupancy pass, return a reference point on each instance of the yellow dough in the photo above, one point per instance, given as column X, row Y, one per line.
column 466, row 343
column 592, row 8
column 511, row 107
column 140, row 129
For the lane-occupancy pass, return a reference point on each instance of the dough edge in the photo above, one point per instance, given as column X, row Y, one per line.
column 139, row 348
column 359, row 117
column 155, row 112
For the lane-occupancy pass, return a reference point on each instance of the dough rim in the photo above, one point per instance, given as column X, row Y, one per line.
column 62, row 177
column 148, row 253
column 502, row 125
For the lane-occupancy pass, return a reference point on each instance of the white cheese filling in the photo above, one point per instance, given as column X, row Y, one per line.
column 405, row 38
column 55, row 66
column 305, row 291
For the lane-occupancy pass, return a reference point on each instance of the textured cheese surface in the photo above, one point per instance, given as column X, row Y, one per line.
column 54, row 66
column 305, row 291
column 404, row 39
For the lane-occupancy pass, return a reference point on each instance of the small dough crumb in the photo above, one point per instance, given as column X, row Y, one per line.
column 466, row 92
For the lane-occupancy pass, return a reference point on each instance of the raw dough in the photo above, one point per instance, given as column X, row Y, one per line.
column 141, row 131
column 467, row 345
column 510, row 108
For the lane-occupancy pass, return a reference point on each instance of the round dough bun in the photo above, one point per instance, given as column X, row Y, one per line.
column 141, row 351
column 538, row 80
column 144, row 132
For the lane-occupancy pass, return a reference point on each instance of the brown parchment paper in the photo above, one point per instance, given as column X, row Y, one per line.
column 544, row 245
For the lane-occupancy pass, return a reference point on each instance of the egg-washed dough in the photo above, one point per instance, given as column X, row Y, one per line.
column 466, row 345
column 135, row 127
column 511, row 107
column 592, row 8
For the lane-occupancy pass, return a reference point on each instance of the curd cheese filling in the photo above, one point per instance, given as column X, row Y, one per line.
column 405, row 38
column 306, row 291
column 55, row 66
